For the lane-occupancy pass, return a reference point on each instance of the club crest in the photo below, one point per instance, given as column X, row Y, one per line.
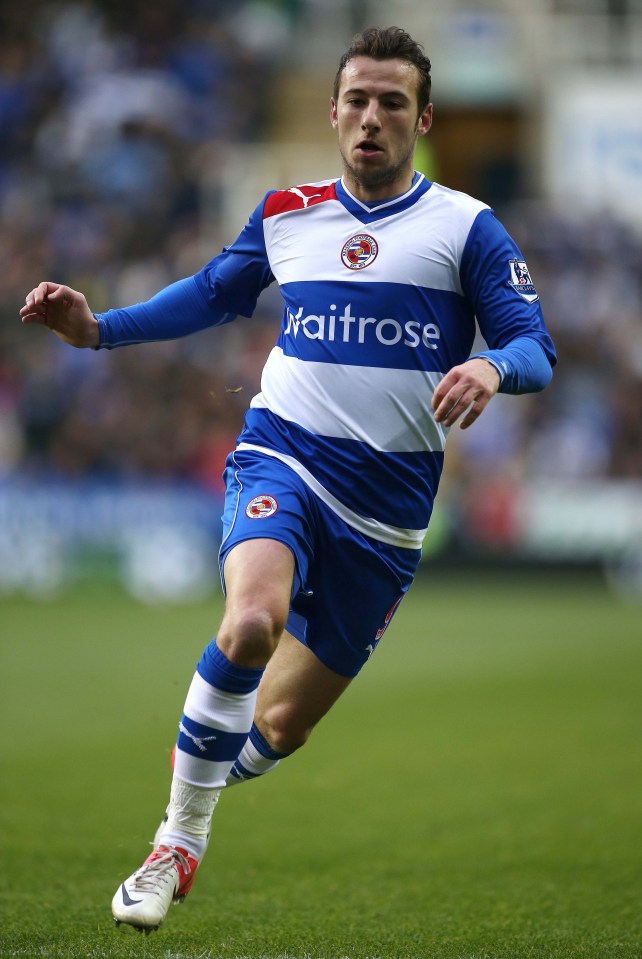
column 521, row 282
column 360, row 251
column 261, row 507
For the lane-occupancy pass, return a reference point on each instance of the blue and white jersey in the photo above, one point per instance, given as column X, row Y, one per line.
column 380, row 302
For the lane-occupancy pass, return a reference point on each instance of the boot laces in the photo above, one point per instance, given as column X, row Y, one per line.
column 160, row 869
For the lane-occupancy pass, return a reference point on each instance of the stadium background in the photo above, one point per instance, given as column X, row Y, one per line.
column 135, row 141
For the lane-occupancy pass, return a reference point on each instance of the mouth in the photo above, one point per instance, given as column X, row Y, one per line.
column 368, row 148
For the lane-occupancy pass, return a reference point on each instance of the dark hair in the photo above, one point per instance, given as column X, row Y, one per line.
column 388, row 44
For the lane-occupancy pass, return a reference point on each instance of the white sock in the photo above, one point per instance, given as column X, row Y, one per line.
column 216, row 720
column 188, row 818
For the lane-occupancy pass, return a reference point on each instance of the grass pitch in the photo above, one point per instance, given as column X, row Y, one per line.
column 475, row 795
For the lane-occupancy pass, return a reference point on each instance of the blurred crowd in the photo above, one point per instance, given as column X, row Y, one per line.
column 111, row 116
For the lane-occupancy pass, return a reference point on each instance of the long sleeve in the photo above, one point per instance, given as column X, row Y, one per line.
column 227, row 286
column 495, row 278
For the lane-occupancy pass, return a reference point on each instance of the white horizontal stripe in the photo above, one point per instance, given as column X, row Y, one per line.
column 201, row 772
column 393, row 535
column 424, row 250
column 209, row 706
column 387, row 409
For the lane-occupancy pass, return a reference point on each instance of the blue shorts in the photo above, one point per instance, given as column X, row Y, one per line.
column 346, row 586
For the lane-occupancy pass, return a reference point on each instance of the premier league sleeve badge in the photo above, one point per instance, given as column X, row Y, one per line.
column 521, row 282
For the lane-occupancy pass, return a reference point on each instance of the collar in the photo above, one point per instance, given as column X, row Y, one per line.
column 369, row 212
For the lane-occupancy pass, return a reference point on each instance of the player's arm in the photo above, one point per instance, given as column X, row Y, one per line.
column 178, row 310
column 508, row 312
column 521, row 354
column 227, row 286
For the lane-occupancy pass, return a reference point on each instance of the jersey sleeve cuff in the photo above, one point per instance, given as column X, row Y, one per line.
column 500, row 365
column 102, row 345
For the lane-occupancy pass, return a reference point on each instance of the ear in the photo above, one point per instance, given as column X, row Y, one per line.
column 333, row 112
column 424, row 122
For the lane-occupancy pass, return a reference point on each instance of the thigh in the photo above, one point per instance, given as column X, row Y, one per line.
column 266, row 500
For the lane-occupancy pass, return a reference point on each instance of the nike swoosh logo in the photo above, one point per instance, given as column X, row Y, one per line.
column 127, row 899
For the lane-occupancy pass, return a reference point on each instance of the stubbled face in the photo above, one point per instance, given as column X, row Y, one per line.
column 376, row 120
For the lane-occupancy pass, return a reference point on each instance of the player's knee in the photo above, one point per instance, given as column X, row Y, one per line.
column 248, row 637
column 283, row 728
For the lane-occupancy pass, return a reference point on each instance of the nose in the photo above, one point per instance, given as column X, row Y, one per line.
column 370, row 116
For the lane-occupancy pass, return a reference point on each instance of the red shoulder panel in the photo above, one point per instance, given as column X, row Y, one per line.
column 298, row 198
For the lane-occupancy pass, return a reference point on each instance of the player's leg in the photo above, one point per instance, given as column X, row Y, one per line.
column 354, row 587
column 215, row 724
column 267, row 545
column 221, row 700
column 295, row 692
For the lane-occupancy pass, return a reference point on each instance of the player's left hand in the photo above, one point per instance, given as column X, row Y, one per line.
column 465, row 389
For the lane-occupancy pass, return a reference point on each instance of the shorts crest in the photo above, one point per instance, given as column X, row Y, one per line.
column 261, row 507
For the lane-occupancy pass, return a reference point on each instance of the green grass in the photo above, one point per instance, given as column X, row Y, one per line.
column 475, row 795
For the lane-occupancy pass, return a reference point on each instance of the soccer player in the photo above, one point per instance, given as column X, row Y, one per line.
column 331, row 485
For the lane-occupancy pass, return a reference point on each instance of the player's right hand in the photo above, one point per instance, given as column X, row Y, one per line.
column 64, row 311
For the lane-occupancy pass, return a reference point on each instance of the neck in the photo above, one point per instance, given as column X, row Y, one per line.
column 374, row 193
column 372, row 186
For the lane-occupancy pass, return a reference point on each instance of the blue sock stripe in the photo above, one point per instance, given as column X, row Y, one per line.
column 217, row 670
column 239, row 770
column 262, row 746
column 203, row 742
